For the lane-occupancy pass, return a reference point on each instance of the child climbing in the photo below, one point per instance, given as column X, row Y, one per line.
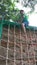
column 23, row 20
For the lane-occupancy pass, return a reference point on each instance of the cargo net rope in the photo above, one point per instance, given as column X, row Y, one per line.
column 17, row 47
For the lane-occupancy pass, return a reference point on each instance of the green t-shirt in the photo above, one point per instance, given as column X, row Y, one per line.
column 20, row 17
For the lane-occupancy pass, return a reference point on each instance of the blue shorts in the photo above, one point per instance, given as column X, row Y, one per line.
column 25, row 23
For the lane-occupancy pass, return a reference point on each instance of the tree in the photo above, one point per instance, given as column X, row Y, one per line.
column 28, row 3
column 7, row 9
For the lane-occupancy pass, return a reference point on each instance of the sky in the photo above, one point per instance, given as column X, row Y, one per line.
column 32, row 17
column 33, row 20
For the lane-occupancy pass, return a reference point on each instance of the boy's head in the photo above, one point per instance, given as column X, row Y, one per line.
column 22, row 11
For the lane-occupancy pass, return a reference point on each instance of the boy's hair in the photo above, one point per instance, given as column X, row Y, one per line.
column 21, row 11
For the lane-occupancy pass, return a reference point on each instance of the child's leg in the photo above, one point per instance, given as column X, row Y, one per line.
column 23, row 27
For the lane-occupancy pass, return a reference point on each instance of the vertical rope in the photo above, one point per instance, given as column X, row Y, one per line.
column 35, row 43
column 21, row 48
column 7, row 46
column 14, row 46
column 27, row 44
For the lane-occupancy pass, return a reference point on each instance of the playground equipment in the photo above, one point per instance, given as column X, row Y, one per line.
column 17, row 47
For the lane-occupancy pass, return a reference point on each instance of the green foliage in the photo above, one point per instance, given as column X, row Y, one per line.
column 7, row 7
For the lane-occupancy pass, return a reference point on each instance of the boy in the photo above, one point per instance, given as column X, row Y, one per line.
column 23, row 20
